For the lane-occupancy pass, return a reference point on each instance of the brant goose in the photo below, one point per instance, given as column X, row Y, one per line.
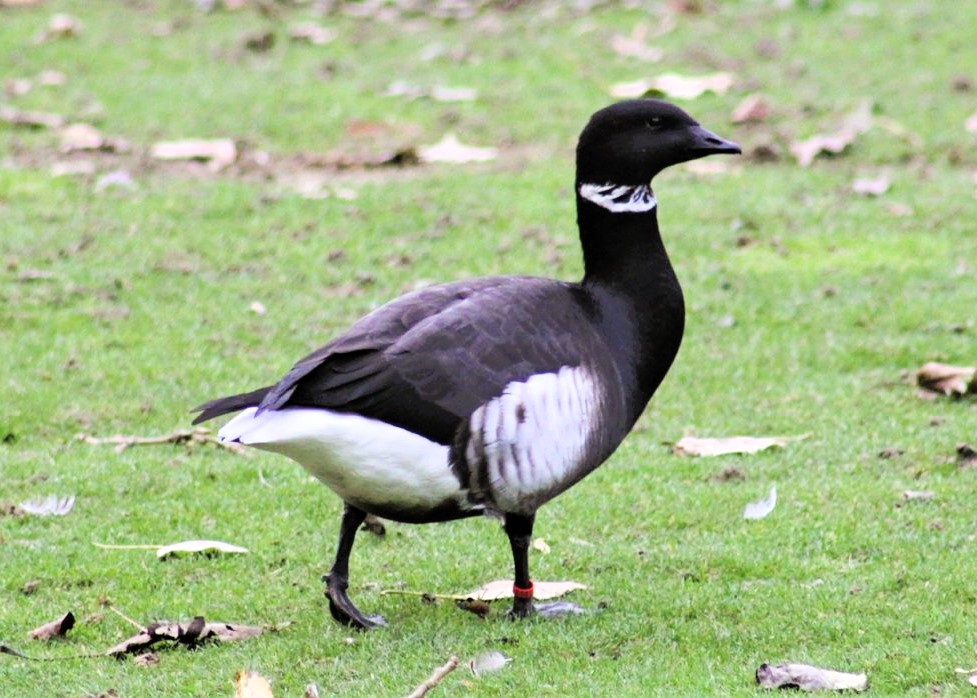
column 494, row 395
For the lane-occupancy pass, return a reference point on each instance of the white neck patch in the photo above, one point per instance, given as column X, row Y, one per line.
column 618, row 198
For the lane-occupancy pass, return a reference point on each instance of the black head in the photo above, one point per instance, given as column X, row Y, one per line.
column 630, row 142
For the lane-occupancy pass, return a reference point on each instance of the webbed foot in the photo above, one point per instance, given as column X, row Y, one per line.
column 343, row 610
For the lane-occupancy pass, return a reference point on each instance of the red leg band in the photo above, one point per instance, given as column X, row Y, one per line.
column 521, row 593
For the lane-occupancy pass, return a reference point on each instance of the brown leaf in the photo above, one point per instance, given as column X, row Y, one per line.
column 971, row 123
column 217, row 153
column 807, row 150
column 675, row 86
column 855, row 123
column 60, row 26
column 708, row 447
column 51, row 78
column 948, row 380
column 728, row 474
column 871, row 186
column 312, row 33
column 147, row 659
column 250, row 684
column 259, row 42
column 56, row 628
column 476, row 606
column 190, row 635
column 450, row 150
column 17, row 87
column 80, row 137
column 30, row 119
column 966, row 456
column 753, row 108
column 809, row 678
column 634, row 46
column 502, row 589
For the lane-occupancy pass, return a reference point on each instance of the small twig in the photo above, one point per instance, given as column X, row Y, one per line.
column 123, row 616
column 200, row 435
column 435, row 678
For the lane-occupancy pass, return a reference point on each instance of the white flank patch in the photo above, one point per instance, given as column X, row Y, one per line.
column 619, row 198
column 533, row 437
column 365, row 461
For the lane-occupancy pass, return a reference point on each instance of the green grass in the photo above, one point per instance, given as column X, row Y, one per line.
column 145, row 314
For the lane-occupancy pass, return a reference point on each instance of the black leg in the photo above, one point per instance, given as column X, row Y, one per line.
column 337, row 578
column 520, row 531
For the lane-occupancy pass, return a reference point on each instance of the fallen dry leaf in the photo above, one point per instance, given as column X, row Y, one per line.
column 635, row 46
column 217, row 153
column 728, row 474
column 675, row 86
column 435, row 678
column 709, row 447
column 56, row 628
column 966, row 456
column 198, row 546
column 450, row 150
column 191, row 634
column 258, row 308
column 760, row 509
column 312, row 33
column 30, row 119
column 72, row 168
column 473, row 606
column 948, row 380
column 60, row 26
column 971, row 123
column 502, row 589
column 146, row 659
column 51, row 78
column 916, row 495
column 76, row 137
column 541, row 545
column 445, row 93
column 52, row 505
column 807, row 150
column 116, row 179
column 809, row 678
column 488, row 662
column 751, row 109
column 871, row 186
column 17, row 87
column 250, row 684
column 439, row 93
column 855, row 123
column 311, row 691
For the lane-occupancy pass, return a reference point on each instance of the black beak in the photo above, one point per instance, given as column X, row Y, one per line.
column 706, row 142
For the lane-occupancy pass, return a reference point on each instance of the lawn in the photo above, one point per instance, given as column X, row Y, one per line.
column 810, row 307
